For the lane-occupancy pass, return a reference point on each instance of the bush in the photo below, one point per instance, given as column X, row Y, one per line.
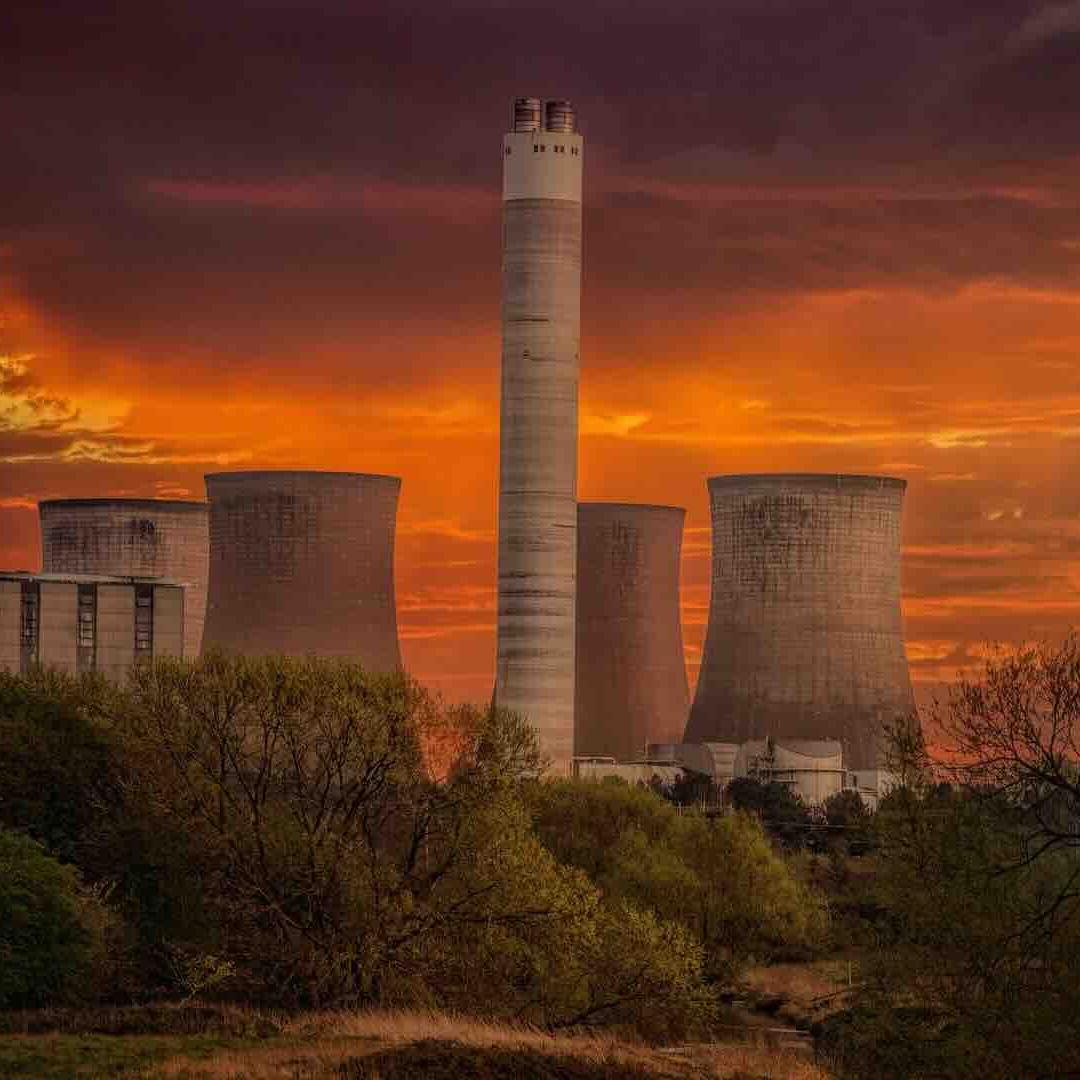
column 58, row 767
column 719, row 878
column 47, row 937
column 781, row 811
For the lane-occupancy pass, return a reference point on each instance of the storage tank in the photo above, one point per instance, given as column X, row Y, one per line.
column 541, row 340
column 303, row 563
column 631, row 687
column 164, row 538
column 805, row 637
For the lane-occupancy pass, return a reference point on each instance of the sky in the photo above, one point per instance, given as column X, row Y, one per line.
column 819, row 236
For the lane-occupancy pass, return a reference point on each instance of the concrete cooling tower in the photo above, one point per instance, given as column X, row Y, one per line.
column 303, row 563
column 541, row 319
column 805, row 638
column 631, row 684
column 132, row 538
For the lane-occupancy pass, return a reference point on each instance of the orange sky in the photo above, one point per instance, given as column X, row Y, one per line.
column 300, row 269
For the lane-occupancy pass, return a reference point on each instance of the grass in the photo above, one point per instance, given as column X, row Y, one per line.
column 802, row 984
column 217, row 1044
column 62, row 1056
column 799, row 995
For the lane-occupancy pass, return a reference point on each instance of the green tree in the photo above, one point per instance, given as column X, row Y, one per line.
column 325, row 848
column 975, row 973
column 542, row 947
column 47, row 944
column 335, row 869
column 717, row 877
column 59, row 769
column 849, row 816
column 781, row 811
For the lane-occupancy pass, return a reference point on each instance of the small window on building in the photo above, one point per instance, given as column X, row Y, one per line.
column 508, row 151
column 542, row 148
column 30, row 624
column 536, row 149
column 144, row 622
column 86, row 629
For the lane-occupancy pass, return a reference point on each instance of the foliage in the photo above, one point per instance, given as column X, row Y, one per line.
column 849, row 816
column 334, row 869
column 58, row 768
column 47, row 947
column 980, row 873
column 694, row 789
column 781, row 811
column 717, row 877
column 281, row 830
column 846, row 809
column 326, row 851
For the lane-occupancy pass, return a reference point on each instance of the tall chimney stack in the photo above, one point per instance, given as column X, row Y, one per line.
column 541, row 319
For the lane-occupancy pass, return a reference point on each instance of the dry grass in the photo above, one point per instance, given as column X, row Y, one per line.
column 318, row 1044
column 802, row 984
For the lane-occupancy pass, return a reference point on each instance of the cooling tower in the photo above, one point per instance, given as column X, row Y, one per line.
column 541, row 316
column 631, row 675
column 303, row 563
column 805, row 638
column 132, row 538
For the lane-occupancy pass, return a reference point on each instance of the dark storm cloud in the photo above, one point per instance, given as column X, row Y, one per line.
column 109, row 112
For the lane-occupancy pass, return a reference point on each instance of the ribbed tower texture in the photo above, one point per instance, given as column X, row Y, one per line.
column 805, row 638
column 303, row 563
column 541, row 319
column 132, row 538
column 631, row 673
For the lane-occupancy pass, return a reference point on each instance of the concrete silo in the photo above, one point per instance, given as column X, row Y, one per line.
column 161, row 538
column 303, row 563
column 631, row 684
column 805, row 638
column 541, row 317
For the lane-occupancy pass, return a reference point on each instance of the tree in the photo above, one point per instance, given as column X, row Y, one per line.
column 848, row 815
column 781, row 811
column 47, row 945
column 718, row 878
column 976, row 970
column 325, row 850
column 59, row 769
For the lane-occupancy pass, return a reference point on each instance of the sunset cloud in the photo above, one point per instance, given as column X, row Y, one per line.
column 811, row 244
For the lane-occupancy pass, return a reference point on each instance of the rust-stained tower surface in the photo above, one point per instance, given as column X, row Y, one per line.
column 163, row 538
column 541, row 317
column 303, row 563
column 631, row 684
column 805, row 637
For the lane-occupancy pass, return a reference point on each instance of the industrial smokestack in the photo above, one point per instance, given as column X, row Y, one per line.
column 631, row 675
column 541, row 319
column 303, row 563
column 163, row 538
column 805, row 638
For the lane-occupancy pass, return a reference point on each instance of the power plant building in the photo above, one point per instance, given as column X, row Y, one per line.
column 302, row 563
column 148, row 538
column 631, row 687
column 85, row 622
column 541, row 318
column 805, row 637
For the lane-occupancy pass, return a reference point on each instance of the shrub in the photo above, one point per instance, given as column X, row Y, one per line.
column 719, row 878
column 58, row 768
column 47, row 944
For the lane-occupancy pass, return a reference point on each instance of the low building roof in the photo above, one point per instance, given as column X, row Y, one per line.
column 87, row 579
